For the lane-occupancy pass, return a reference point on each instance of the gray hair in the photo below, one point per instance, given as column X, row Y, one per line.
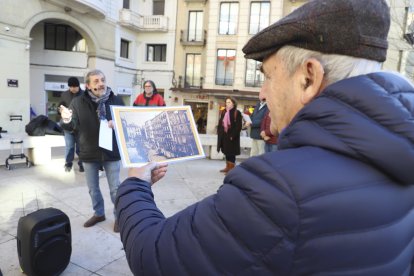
column 336, row 67
column 94, row 72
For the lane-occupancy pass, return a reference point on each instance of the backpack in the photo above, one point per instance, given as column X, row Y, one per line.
column 42, row 125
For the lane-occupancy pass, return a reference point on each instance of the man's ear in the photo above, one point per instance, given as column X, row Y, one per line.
column 312, row 80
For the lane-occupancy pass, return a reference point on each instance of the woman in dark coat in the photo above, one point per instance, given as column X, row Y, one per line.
column 228, row 130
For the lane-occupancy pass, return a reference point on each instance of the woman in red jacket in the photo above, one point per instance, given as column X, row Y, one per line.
column 150, row 96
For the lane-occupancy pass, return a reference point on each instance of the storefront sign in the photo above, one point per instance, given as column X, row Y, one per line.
column 124, row 91
column 202, row 97
column 196, row 96
column 56, row 86
column 12, row 83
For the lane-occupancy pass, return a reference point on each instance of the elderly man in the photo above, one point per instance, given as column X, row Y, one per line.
column 86, row 115
column 336, row 199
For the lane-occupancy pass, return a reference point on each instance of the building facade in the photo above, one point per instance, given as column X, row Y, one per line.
column 209, row 63
column 44, row 42
column 191, row 49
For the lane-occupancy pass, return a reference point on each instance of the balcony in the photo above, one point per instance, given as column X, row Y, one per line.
column 92, row 7
column 137, row 22
column 194, row 39
column 190, row 82
column 195, row 1
column 224, row 81
column 254, row 83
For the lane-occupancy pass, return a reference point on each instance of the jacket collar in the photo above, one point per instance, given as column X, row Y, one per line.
column 368, row 117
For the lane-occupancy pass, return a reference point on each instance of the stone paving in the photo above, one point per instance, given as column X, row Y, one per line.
column 96, row 250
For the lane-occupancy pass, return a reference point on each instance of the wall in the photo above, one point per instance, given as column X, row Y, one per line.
column 14, row 100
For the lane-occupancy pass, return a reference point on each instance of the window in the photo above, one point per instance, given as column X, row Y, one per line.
column 254, row 77
column 125, row 4
column 158, row 7
column 225, row 66
column 228, row 18
column 156, row 52
column 63, row 38
column 195, row 26
column 259, row 16
column 193, row 71
column 124, row 48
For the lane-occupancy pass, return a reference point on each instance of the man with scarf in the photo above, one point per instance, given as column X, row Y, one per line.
column 228, row 133
column 86, row 115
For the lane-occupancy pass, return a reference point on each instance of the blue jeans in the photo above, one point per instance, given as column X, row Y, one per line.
column 270, row 147
column 112, row 169
column 71, row 144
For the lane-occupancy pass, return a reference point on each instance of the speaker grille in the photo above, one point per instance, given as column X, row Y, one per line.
column 53, row 256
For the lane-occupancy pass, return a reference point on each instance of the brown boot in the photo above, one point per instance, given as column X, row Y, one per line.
column 231, row 166
column 93, row 220
column 226, row 169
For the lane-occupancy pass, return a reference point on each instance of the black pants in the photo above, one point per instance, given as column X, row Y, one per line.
column 231, row 158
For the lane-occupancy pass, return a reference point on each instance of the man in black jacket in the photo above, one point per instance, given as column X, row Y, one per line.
column 71, row 141
column 86, row 115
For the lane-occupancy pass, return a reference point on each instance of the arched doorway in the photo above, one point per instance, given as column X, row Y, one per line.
column 57, row 52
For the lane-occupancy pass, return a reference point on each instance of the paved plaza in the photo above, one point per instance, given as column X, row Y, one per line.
column 96, row 250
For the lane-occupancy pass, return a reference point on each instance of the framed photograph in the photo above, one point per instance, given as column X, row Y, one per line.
column 160, row 134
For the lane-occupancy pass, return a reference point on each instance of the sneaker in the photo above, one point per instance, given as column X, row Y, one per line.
column 93, row 220
column 101, row 171
column 116, row 227
column 81, row 168
column 68, row 168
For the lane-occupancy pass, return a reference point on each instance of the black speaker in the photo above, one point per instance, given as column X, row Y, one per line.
column 44, row 243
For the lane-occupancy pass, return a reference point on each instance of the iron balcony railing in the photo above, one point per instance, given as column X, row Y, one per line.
column 193, row 38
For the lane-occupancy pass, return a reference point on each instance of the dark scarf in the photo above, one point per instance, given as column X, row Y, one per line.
column 101, row 110
column 148, row 99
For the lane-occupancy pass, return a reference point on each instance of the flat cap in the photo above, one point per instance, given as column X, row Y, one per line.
column 357, row 28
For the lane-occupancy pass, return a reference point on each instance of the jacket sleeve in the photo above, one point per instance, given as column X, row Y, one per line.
column 220, row 131
column 73, row 124
column 161, row 101
column 238, row 121
column 224, row 234
column 256, row 119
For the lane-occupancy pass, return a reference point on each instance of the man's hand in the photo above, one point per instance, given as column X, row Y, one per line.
column 110, row 124
column 65, row 113
column 262, row 134
column 151, row 172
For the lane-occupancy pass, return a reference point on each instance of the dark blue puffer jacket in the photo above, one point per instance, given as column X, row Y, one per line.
column 337, row 199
